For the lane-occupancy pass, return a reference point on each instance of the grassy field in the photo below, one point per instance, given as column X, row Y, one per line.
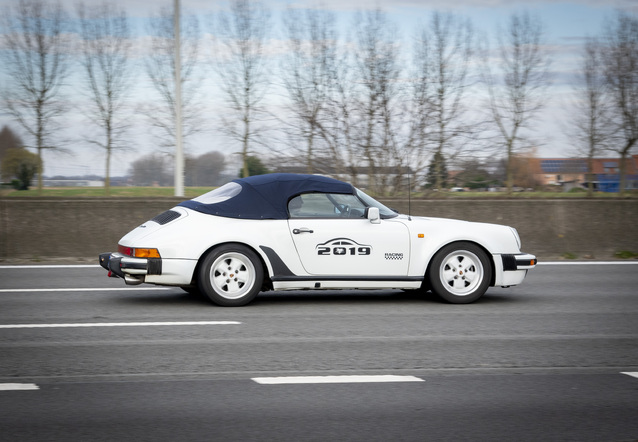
column 191, row 192
column 96, row 192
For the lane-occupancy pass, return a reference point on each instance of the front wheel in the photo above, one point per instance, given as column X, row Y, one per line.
column 460, row 273
column 231, row 275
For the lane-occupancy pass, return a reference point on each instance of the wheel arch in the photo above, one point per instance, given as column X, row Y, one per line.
column 266, row 283
column 479, row 245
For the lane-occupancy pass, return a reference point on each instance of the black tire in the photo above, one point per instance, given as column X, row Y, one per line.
column 230, row 275
column 460, row 273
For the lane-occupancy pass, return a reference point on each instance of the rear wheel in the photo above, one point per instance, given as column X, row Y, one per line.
column 460, row 273
column 231, row 275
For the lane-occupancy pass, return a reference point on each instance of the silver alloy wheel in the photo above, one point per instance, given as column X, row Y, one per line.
column 461, row 272
column 232, row 275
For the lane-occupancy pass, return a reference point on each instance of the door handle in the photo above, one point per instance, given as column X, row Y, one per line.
column 302, row 230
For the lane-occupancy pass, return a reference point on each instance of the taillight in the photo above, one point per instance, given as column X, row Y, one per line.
column 138, row 252
column 128, row 251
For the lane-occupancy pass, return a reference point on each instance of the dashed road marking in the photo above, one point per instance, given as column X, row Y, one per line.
column 587, row 263
column 120, row 324
column 52, row 266
column 88, row 289
column 633, row 374
column 14, row 387
column 348, row 379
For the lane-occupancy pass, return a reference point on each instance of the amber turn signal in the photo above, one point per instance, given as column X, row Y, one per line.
column 146, row 253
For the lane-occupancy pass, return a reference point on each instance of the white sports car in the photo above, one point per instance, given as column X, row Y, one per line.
column 297, row 232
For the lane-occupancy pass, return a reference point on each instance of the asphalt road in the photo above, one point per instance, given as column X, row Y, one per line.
column 84, row 357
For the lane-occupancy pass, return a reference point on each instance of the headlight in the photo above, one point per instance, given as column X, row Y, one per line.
column 518, row 238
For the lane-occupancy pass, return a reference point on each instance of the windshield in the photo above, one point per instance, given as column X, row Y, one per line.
column 371, row 202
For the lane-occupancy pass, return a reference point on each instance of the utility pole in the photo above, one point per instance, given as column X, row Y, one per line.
column 179, row 148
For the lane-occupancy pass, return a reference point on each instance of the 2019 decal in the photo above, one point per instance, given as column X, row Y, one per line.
column 343, row 247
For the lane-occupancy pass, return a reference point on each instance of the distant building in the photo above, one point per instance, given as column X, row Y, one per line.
column 71, row 183
column 574, row 172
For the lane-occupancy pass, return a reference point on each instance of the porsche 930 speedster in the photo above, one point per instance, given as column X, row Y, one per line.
column 297, row 232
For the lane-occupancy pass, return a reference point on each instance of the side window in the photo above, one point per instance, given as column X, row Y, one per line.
column 325, row 205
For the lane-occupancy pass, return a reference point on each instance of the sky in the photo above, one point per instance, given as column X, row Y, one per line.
column 566, row 23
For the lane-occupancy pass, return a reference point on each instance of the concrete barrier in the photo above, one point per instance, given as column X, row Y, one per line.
column 548, row 228
column 32, row 228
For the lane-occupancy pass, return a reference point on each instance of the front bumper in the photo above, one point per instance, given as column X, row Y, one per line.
column 511, row 269
column 132, row 270
column 519, row 261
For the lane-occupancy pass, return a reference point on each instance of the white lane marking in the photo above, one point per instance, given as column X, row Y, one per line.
column 119, row 324
column 13, row 387
column 87, row 266
column 348, row 379
column 587, row 263
column 630, row 373
column 51, row 266
column 88, row 289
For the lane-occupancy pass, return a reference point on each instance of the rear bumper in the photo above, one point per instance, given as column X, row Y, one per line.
column 519, row 261
column 132, row 270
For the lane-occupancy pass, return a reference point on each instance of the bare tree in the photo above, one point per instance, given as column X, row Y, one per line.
column 516, row 83
column 36, row 64
column 589, row 123
column 243, row 71
column 206, row 169
column 152, row 169
column 378, row 71
column 307, row 76
column 418, row 108
column 337, row 127
column 621, row 72
column 443, row 54
column 106, row 46
column 9, row 140
column 160, row 68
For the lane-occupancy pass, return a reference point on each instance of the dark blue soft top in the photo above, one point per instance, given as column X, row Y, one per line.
column 263, row 196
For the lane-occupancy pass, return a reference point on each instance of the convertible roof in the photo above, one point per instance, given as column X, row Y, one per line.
column 267, row 196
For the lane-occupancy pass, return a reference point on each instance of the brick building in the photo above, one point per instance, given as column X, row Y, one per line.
column 574, row 172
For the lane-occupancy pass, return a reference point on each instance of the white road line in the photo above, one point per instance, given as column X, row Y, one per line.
column 13, row 387
column 587, row 263
column 87, row 266
column 630, row 373
column 88, row 289
column 119, row 324
column 348, row 379
column 51, row 266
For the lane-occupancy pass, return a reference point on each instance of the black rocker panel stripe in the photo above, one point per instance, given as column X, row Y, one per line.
column 283, row 273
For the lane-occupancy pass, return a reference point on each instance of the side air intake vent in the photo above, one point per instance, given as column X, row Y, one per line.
column 166, row 217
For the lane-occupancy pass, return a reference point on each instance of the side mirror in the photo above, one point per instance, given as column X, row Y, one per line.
column 372, row 213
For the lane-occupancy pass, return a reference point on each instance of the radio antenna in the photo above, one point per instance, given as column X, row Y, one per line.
column 409, row 199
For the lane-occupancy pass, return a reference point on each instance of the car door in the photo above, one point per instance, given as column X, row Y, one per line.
column 333, row 237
